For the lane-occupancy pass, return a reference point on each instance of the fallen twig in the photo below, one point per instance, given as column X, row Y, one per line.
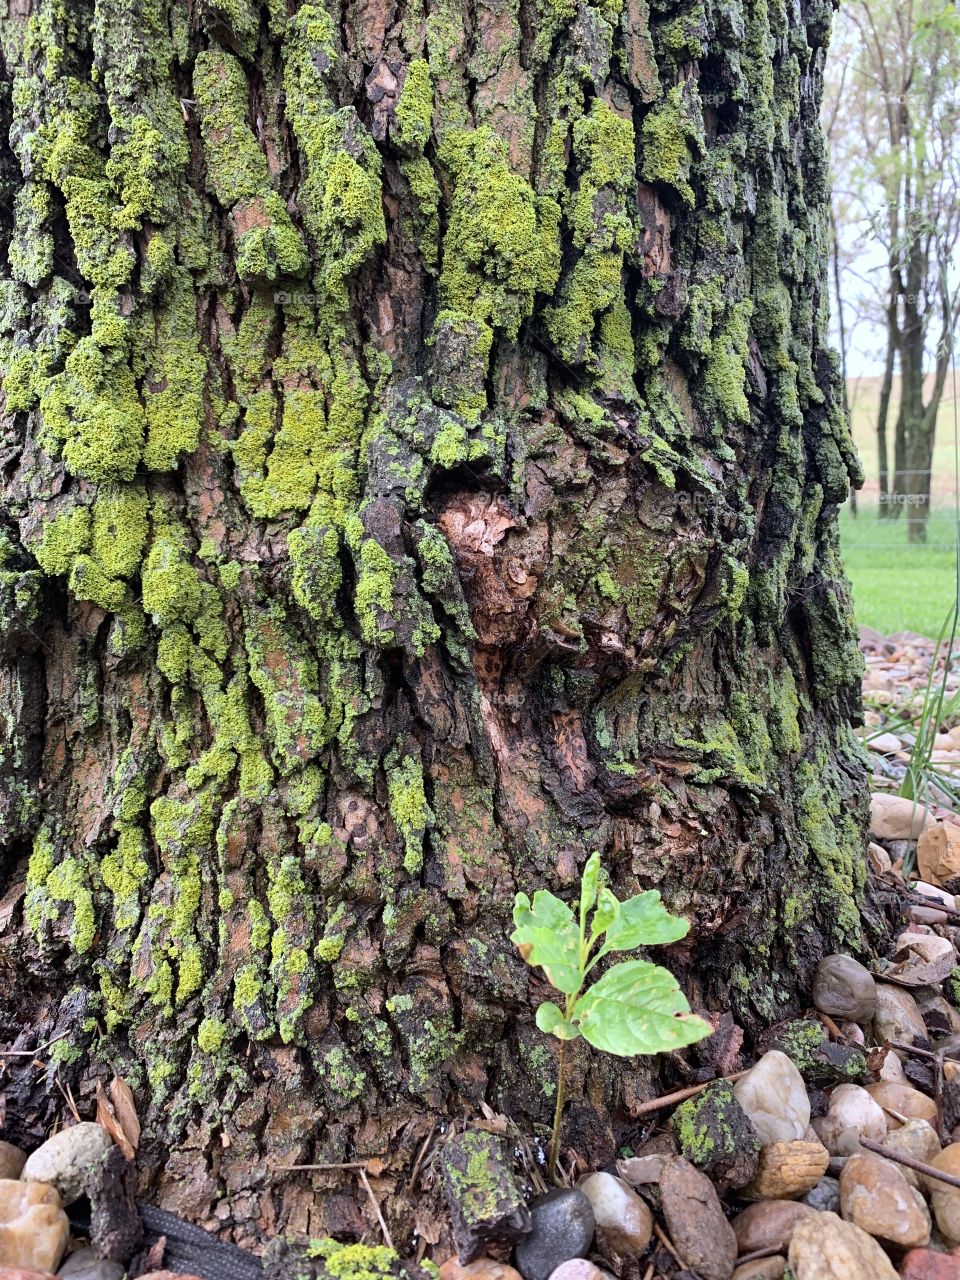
column 918, row 1166
column 351, row 1166
column 668, row 1099
column 32, row 1053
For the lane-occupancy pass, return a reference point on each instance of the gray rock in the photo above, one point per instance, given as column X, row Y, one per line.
column 825, row 1196
column 65, row 1160
column 561, row 1227
column 86, row 1265
column 843, row 988
column 482, row 1193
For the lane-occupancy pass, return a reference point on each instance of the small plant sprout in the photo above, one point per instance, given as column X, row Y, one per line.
column 634, row 1007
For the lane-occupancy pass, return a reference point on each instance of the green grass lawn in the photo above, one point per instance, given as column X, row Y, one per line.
column 896, row 586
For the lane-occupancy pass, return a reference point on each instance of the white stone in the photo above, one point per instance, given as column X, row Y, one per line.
column 65, row 1159
column 852, row 1114
column 773, row 1095
column 619, row 1211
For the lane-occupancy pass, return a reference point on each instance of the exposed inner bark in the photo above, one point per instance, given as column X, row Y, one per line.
column 421, row 457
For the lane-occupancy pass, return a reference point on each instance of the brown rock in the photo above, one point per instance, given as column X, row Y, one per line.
column 938, row 853
column 700, row 1232
column 768, row 1224
column 21, row 1273
column 788, row 1170
column 827, row 1248
column 12, row 1160
column 902, row 1100
column 897, row 1016
column 172, row 1275
column 917, row 1139
column 33, row 1227
column 896, row 818
column 875, row 1196
column 761, row 1269
column 945, row 1200
column 924, row 1264
column 480, row 1269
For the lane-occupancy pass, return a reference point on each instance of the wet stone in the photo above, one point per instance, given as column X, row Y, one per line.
column 561, row 1227
column 626, row 1221
column 843, row 988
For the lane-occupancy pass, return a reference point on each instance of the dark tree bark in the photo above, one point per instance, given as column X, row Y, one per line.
column 421, row 458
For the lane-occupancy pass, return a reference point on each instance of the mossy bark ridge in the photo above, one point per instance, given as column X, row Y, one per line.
column 421, row 456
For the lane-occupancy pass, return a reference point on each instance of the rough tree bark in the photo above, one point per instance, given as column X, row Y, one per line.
column 421, row 457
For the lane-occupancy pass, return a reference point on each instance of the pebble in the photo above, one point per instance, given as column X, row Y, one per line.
column 904, row 1100
column 12, row 1160
column 843, row 988
column 33, row 1227
column 825, row 1196
column 788, row 1170
column 86, row 1264
column 852, row 1114
column 561, row 1227
column 773, row 1095
column 875, row 1196
column 65, row 1159
column 897, row 1016
column 924, row 1264
column 880, row 860
column 945, row 1200
column 768, row 1224
column 938, row 853
column 892, row 1069
column 762, row 1269
column 700, row 1232
column 575, row 1269
column 896, row 817
column 640, row 1171
column 626, row 1221
column 480, row 1269
column 827, row 1248
column 931, row 914
column 916, row 1138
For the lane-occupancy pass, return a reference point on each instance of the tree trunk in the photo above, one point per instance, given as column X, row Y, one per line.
column 914, row 427
column 421, row 463
column 884, row 506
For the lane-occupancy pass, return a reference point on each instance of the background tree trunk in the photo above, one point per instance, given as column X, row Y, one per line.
column 421, row 458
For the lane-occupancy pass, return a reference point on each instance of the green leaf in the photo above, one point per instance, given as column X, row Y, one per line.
column 643, row 921
column 588, row 884
column 547, row 935
column 637, row 1007
column 551, row 1021
column 608, row 909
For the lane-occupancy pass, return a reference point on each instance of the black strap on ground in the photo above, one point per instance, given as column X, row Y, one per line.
column 189, row 1250
column 192, row 1250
